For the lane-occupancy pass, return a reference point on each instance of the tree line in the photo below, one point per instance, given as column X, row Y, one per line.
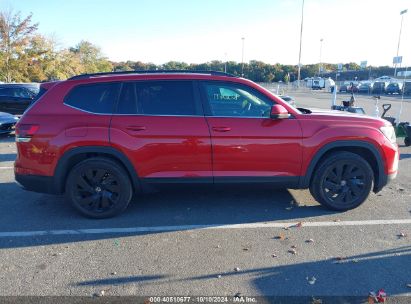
column 28, row 56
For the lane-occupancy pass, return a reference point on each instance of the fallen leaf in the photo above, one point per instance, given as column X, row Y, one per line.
column 293, row 251
column 340, row 260
column 99, row 294
column 281, row 237
column 237, row 269
column 113, row 273
column 311, row 281
column 316, row 301
column 309, row 241
column 337, row 220
column 293, row 246
column 274, row 255
column 402, row 234
column 237, row 295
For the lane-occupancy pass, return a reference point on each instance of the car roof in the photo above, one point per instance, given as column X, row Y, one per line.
column 153, row 75
column 29, row 86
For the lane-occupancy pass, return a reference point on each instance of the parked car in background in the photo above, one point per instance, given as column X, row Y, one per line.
column 7, row 123
column 365, row 87
column 353, row 87
column 288, row 99
column 101, row 138
column 379, row 87
column 394, row 88
column 344, row 86
column 407, row 88
column 15, row 98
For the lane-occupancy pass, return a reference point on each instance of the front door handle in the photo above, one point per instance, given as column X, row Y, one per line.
column 221, row 129
column 136, row 128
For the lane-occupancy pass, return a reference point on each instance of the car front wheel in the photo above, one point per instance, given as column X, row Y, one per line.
column 342, row 181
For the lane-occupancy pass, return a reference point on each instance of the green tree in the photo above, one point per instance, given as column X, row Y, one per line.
column 15, row 36
column 91, row 58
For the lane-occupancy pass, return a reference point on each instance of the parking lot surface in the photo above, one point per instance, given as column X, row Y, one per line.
column 209, row 241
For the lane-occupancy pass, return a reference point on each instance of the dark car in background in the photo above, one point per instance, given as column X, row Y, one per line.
column 365, row 87
column 15, row 98
column 344, row 86
column 394, row 88
column 7, row 123
column 353, row 87
column 379, row 87
column 407, row 88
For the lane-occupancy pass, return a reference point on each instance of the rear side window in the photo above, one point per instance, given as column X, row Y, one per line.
column 158, row 98
column 96, row 98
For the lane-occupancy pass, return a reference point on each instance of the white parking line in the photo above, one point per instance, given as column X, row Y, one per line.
column 6, row 168
column 198, row 227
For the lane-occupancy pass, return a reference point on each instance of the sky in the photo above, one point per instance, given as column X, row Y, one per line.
column 197, row 31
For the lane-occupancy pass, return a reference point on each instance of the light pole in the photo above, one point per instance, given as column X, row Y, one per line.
column 225, row 62
column 399, row 39
column 301, row 38
column 242, row 57
column 321, row 48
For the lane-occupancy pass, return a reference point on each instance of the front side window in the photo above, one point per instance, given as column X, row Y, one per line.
column 233, row 100
column 96, row 98
column 158, row 98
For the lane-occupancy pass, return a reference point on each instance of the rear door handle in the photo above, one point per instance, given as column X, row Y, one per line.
column 221, row 129
column 136, row 128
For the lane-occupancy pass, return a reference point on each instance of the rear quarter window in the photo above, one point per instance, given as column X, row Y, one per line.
column 95, row 98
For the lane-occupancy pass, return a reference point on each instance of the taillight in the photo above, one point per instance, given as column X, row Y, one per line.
column 24, row 132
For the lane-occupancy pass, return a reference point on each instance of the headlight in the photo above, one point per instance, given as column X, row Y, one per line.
column 389, row 132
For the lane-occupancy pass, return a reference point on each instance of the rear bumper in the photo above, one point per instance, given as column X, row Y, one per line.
column 36, row 183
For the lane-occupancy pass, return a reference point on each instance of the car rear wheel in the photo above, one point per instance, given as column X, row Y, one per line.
column 342, row 181
column 99, row 188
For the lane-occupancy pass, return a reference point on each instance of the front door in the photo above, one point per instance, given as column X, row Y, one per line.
column 247, row 144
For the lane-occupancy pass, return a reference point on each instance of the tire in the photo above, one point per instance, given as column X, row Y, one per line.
column 98, row 188
column 342, row 181
column 407, row 141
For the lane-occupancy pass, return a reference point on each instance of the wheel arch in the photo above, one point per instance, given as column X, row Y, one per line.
column 73, row 156
column 362, row 148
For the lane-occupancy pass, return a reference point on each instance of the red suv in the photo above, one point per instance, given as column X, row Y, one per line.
column 99, row 138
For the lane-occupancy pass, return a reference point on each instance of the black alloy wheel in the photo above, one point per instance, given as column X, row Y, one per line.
column 343, row 181
column 99, row 188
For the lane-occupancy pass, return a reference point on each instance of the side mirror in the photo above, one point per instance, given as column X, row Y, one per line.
column 279, row 112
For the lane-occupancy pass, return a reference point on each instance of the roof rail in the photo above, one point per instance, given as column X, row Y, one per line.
column 84, row 76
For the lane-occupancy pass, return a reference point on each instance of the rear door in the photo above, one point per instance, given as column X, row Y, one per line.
column 247, row 144
column 161, row 127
